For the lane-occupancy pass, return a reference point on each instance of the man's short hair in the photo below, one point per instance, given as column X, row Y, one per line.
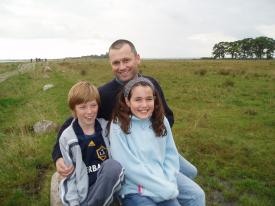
column 82, row 92
column 121, row 42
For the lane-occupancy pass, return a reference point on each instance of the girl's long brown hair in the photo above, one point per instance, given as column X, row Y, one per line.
column 122, row 113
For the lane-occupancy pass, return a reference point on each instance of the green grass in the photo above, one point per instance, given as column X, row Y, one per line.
column 7, row 67
column 224, row 124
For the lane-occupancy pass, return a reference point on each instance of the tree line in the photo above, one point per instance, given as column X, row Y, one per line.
column 248, row 48
column 95, row 56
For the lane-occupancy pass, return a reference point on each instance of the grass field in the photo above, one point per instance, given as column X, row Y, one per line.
column 5, row 67
column 224, row 124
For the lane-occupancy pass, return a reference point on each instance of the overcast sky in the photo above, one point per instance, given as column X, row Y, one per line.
column 158, row 28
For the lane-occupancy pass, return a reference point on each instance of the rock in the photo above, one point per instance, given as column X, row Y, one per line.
column 47, row 69
column 44, row 126
column 46, row 76
column 47, row 86
column 54, row 193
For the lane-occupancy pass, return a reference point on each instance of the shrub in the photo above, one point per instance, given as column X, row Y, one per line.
column 224, row 71
column 251, row 112
column 228, row 83
column 201, row 72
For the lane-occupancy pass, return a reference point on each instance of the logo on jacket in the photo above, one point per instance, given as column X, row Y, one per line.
column 102, row 153
column 91, row 144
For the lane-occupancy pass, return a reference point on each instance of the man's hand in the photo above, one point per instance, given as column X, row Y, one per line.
column 62, row 169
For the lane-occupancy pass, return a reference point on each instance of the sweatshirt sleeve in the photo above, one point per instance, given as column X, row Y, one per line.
column 68, row 188
column 56, row 153
column 135, row 170
column 171, row 161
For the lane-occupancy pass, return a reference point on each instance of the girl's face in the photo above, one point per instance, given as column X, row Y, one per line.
column 141, row 102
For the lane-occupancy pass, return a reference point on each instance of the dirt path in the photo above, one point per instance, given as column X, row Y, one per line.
column 22, row 68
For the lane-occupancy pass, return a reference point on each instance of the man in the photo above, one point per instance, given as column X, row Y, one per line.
column 124, row 61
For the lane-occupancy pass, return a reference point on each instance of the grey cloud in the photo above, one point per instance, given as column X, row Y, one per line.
column 159, row 28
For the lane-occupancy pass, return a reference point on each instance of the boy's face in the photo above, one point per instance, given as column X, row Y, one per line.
column 86, row 113
column 124, row 63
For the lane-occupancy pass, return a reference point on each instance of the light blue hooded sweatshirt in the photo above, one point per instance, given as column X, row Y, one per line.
column 151, row 163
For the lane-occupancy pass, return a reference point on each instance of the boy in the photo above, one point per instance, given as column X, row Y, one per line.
column 85, row 145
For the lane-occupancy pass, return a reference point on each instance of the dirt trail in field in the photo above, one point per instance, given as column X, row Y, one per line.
column 22, row 68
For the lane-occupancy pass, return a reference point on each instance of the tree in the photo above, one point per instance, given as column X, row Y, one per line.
column 245, row 48
column 232, row 48
column 219, row 50
column 269, row 48
column 259, row 47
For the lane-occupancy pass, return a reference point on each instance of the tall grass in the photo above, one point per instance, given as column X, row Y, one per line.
column 7, row 67
column 225, row 125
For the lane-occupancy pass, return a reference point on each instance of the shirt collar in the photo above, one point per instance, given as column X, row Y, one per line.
column 78, row 130
column 133, row 117
column 122, row 83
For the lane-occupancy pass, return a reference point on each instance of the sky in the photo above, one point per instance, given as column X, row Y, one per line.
column 158, row 28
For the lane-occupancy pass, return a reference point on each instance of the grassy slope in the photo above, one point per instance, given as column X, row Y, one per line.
column 7, row 67
column 225, row 125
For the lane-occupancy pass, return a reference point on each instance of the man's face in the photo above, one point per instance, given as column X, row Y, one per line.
column 124, row 63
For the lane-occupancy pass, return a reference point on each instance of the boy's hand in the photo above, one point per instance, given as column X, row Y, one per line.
column 62, row 169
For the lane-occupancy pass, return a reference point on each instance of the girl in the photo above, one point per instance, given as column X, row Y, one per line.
column 142, row 141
